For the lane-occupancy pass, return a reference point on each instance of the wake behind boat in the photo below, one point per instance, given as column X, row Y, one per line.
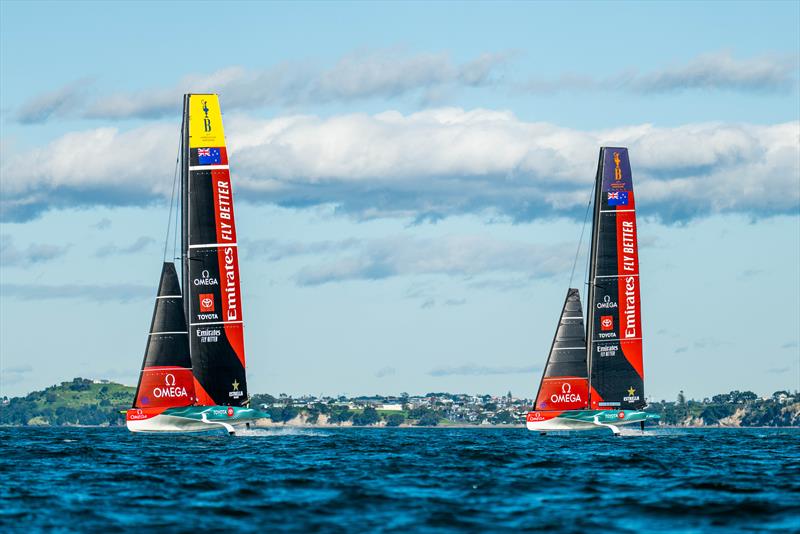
column 600, row 384
column 193, row 375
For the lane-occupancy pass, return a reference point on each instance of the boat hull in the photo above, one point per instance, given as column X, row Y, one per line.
column 190, row 418
column 542, row 421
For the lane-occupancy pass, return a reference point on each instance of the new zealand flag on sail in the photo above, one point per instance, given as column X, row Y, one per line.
column 616, row 198
column 208, row 156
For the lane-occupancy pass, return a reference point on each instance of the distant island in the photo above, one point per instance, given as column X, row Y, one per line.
column 99, row 402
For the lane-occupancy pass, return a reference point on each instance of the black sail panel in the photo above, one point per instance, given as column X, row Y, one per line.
column 564, row 384
column 213, row 306
column 614, row 315
column 568, row 352
column 166, row 376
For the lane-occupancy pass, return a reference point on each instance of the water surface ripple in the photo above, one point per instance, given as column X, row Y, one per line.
column 400, row 480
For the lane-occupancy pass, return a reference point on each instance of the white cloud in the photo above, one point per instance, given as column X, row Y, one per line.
column 102, row 166
column 91, row 292
column 11, row 256
column 275, row 250
column 718, row 71
column 112, row 249
column 425, row 165
column 64, row 101
column 394, row 72
column 360, row 75
column 450, row 255
column 723, row 71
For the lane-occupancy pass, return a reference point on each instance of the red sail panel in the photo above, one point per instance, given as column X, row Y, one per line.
column 163, row 387
column 203, row 398
column 215, row 303
column 563, row 393
column 614, row 319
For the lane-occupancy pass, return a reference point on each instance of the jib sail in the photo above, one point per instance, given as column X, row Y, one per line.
column 166, row 376
column 564, row 384
column 211, row 264
column 614, row 317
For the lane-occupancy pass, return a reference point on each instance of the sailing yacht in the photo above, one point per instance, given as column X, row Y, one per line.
column 600, row 383
column 193, row 375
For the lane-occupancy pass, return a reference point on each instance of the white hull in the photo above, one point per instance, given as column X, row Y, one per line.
column 191, row 419
column 585, row 420
column 558, row 423
column 171, row 423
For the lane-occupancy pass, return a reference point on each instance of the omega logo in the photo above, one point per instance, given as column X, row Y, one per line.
column 169, row 390
column 607, row 303
column 566, row 394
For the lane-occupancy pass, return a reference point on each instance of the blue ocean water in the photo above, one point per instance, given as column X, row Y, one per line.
column 401, row 480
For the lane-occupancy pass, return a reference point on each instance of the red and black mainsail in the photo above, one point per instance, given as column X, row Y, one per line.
column 614, row 319
column 213, row 304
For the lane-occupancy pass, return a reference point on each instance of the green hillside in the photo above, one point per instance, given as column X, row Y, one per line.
column 79, row 402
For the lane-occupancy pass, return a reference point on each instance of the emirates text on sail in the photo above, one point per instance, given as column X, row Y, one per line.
column 630, row 307
column 232, row 313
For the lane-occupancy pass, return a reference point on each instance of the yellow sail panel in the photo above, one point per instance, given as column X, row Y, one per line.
column 205, row 122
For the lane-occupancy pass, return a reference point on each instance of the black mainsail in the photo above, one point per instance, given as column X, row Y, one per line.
column 213, row 304
column 616, row 376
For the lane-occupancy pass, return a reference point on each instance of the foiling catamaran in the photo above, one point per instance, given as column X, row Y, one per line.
column 601, row 383
column 193, row 374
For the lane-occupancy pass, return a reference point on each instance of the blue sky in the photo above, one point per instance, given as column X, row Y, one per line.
column 410, row 180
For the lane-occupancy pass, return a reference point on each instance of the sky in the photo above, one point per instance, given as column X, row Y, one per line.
column 410, row 183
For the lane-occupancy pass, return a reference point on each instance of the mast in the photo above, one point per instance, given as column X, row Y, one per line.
column 184, row 206
column 593, row 268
